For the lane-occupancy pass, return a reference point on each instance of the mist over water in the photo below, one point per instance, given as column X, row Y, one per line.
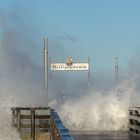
column 20, row 84
column 16, row 89
column 106, row 110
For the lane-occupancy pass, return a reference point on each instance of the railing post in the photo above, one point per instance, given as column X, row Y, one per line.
column 13, row 117
column 53, row 131
column 51, row 128
column 18, row 119
column 33, row 123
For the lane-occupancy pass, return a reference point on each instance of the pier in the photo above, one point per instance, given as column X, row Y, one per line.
column 43, row 123
column 134, row 120
column 39, row 123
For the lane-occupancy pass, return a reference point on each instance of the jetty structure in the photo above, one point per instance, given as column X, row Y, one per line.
column 39, row 123
column 43, row 123
column 34, row 122
column 134, row 120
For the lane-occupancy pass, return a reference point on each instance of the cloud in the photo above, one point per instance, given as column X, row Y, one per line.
column 70, row 38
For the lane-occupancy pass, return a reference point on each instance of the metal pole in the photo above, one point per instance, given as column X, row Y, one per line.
column 46, row 67
column 21, row 65
column 89, row 76
column 116, row 72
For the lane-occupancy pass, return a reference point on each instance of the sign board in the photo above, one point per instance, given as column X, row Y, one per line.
column 66, row 67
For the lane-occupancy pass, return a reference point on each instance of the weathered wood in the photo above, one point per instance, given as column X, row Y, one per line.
column 26, row 117
column 43, row 136
column 29, row 126
column 18, row 119
column 29, row 108
column 33, row 123
column 51, row 129
column 42, row 116
column 36, row 117
column 13, row 118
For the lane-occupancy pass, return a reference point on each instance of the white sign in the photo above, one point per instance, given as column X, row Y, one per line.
column 74, row 66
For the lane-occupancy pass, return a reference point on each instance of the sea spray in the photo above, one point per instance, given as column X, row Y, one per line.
column 16, row 88
column 100, row 111
column 13, row 99
column 6, row 130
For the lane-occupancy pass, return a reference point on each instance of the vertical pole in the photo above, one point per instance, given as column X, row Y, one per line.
column 51, row 130
column 13, row 117
column 21, row 65
column 116, row 72
column 49, row 75
column 89, row 76
column 46, row 67
column 18, row 119
column 33, row 123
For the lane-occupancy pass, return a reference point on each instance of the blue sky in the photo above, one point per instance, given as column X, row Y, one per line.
column 101, row 29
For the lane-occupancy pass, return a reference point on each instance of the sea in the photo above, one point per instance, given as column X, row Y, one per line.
column 105, row 135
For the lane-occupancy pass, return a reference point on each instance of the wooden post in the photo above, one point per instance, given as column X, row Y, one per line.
column 18, row 119
column 51, row 128
column 13, row 117
column 19, row 113
column 33, row 123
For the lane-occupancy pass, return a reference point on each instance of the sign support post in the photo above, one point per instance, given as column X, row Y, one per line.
column 46, row 67
column 89, row 76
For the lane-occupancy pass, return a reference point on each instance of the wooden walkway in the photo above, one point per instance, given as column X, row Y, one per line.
column 42, row 136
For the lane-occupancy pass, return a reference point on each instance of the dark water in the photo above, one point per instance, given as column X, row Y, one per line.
column 109, row 135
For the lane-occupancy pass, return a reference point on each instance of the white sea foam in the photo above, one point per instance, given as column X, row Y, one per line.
column 6, row 130
column 100, row 111
column 15, row 90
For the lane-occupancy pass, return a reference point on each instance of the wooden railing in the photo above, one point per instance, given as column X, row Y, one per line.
column 134, row 120
column 39, row 119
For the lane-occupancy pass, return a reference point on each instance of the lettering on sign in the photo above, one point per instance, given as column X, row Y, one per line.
column 72, row 66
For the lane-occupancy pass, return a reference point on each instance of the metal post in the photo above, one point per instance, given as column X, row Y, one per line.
column 89, row 76
column 46, row 67
column 116, row 72
column 21, row 64
column 33, row 123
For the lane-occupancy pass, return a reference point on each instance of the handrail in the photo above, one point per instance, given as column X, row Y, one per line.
column 54, row 124
column 134, row 120
column 62, row 133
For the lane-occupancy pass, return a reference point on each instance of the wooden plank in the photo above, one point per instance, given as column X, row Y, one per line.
column 25, row 116
column 36, row 126
column 36, row 116
column 42, row 116
column 43, row 136
column 42, row 108
column 29, row 108
column 33, row 123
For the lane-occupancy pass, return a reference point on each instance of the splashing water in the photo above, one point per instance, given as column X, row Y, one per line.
column 101, row 111
column 6, row 130
column 14, row 91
